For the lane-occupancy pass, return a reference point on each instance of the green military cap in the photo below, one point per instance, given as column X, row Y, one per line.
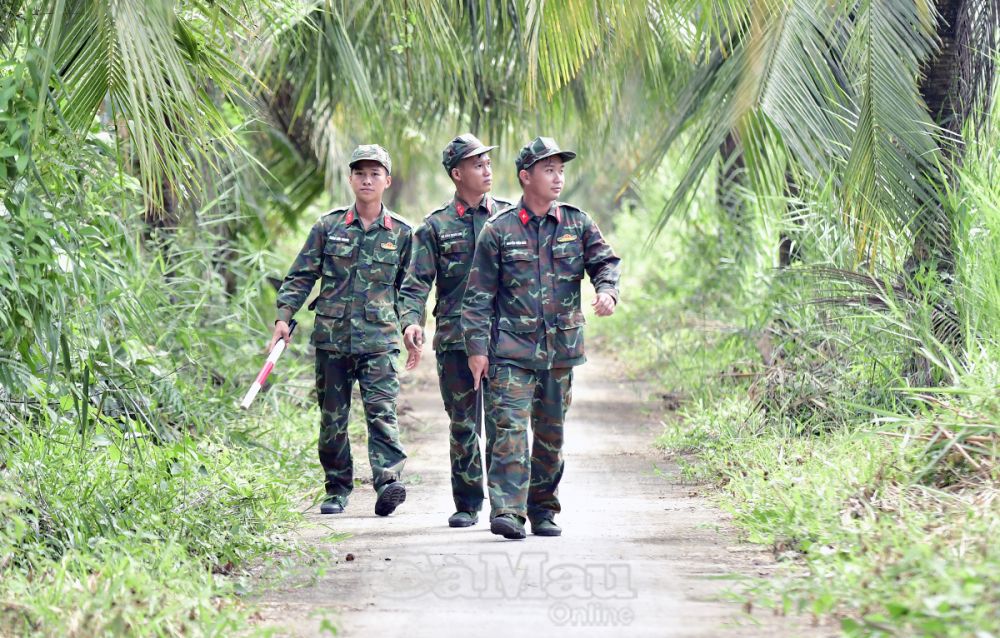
column 540, row 148
column 465, row 145
column 372, row 152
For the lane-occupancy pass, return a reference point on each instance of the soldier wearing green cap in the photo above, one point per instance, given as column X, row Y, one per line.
column 442, row 252
column 360, row 254
column 523, row 330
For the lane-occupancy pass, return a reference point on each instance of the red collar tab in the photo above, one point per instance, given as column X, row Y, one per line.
column 524, row 216
column 558, row 213
column 459, row 208
column 387, row 221
column 349, row 217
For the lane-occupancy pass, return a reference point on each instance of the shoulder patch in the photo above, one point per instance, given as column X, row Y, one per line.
column 569, row 207
column 402, row 220
column 440, row 209
column 335, row 211
column 503, row 211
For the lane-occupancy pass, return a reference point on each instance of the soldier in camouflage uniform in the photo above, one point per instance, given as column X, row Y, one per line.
column 524, row 333
column 442, row 251
column 361, row 254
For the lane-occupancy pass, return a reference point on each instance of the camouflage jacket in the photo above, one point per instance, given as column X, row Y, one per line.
column 522, row 304
column 356, row 310
column 442, row 250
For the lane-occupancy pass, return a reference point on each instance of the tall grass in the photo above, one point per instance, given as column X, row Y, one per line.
column 132, row 493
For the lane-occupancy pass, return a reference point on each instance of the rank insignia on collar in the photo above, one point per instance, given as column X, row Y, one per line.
column 388, row 245
column 565, row 238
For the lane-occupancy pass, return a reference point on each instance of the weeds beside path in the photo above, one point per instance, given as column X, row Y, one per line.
column 839, row 432
column 870, row 547
column 110, row 532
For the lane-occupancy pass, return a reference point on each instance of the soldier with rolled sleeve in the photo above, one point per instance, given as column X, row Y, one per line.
column 360, row 254
column 524, row 333
column 442, row 252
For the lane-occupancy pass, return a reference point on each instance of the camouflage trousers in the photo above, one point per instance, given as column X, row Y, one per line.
column 455, row 381
column 521, row 483
column 376, row 377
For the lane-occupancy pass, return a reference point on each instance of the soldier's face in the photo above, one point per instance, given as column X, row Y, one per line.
column 369, row 180
column 545, row 179
column 474, row 174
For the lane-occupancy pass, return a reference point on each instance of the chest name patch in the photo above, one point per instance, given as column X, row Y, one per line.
column 388, row 245
column 516, row 242
column 453, row 235
column 337, row 238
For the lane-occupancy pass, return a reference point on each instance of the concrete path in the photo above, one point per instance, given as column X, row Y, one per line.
column 642, row 553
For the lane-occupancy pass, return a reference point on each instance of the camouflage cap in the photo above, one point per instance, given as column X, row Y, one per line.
column 465, row 145
column 372, row 152
column 540, row 148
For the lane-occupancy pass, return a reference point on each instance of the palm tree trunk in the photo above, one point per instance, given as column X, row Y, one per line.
column 957, row 88
column 788, row 248
column 732, row 178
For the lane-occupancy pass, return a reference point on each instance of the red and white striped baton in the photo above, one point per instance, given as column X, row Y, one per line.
column 272, row 358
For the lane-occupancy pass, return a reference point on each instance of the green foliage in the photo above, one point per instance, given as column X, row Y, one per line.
column 830, row 90
column 883, row 557
column 125, row 535
column 848, row 419
column 146, row 66
column 131, row 490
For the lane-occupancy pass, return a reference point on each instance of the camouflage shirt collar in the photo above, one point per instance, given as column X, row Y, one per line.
column 525, row 214
column 461, row 206
column 385, row 220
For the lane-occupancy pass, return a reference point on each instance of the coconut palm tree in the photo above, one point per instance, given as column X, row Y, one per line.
column 158, row 71
column 314, row 76
column 868, row 96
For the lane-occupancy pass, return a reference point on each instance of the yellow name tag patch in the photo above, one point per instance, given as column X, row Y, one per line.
column 565, row 238
column 388, row 245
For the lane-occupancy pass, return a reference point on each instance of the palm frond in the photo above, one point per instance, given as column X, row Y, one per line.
column 780, row 69
column 150, row 65
column 888, row 180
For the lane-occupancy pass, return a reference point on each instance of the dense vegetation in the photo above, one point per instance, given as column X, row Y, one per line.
column 799, row 391
column 814, row 183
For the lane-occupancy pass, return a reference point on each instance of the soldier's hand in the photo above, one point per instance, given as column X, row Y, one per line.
column 413, row 337
column 412, row 358
column 281, row 331
column 478, row 364
column 604, row 304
